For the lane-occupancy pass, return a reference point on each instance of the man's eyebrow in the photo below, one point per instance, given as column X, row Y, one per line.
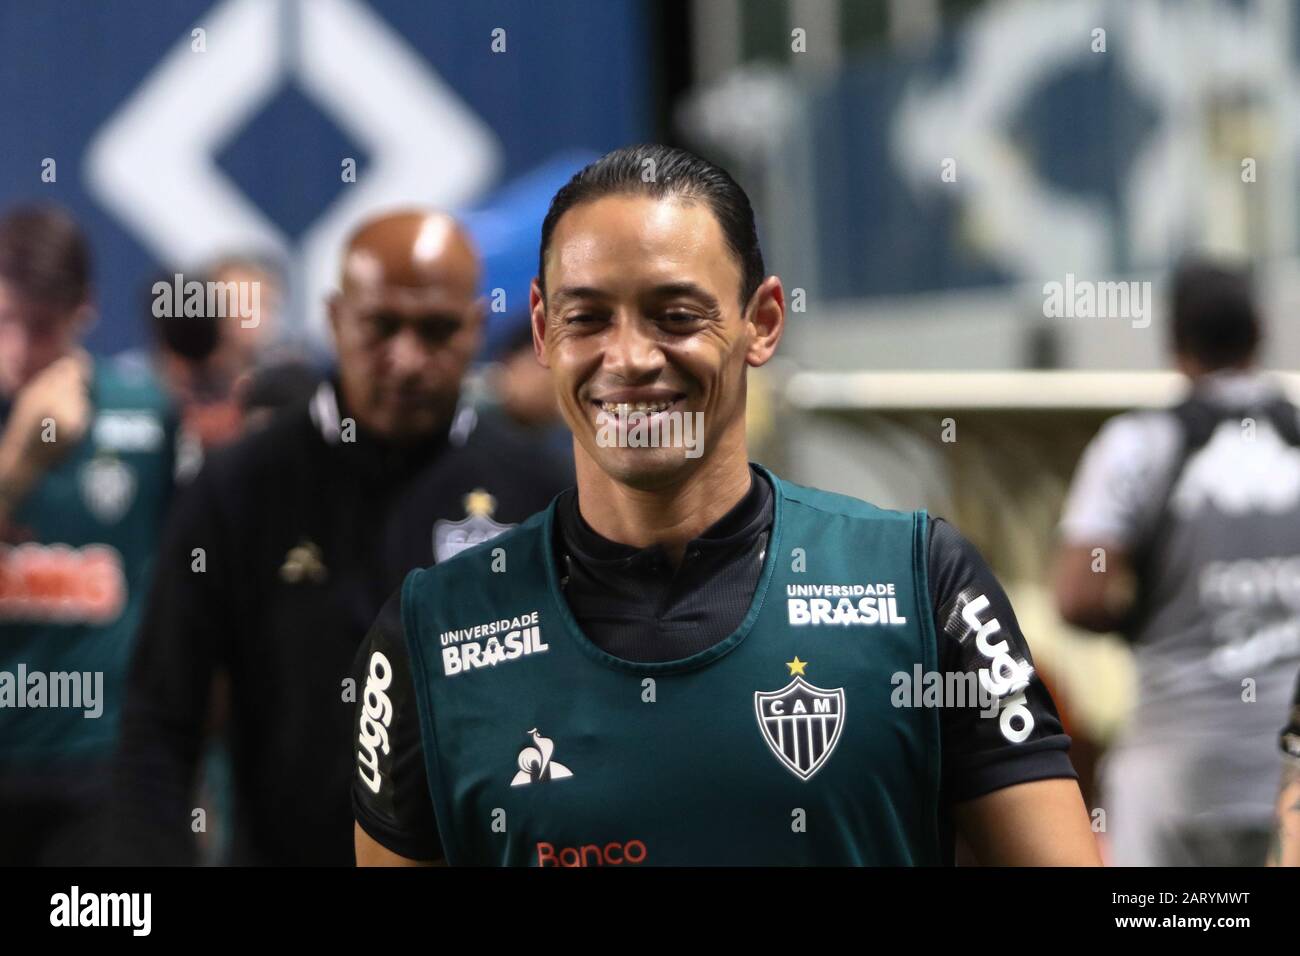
column 578, row 292
column 440, row 311
column 690, row 290
column 666, row 290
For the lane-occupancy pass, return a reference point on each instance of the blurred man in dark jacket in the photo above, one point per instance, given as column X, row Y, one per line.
column 289, row 541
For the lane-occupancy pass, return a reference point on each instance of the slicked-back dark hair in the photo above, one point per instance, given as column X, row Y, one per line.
column 1215, row 319
column 663, row 172
column 44, row 255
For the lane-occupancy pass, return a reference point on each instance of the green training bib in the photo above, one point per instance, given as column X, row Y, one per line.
column 778, row 745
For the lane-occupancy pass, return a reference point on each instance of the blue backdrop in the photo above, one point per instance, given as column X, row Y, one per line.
column 116, row 92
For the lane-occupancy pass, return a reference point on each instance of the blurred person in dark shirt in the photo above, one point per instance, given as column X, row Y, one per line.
column 197, row 374
column 269, row 360
column 523, row 390
column 86, row 463
column 256, row 339
column 224, row 370
column 287, row 543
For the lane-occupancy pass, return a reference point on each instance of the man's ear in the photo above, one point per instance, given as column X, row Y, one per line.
column 537, row 318
column 477, row 322
column 766, row 318
column 478, row 313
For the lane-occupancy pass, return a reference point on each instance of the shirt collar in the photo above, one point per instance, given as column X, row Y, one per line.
column 372, row 453
column 733, row 531
column 325, row 405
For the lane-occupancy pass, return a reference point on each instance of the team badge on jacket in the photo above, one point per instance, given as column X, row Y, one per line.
column 535, row 763
column 450, row 538
column 800, row 723
column 304, row 562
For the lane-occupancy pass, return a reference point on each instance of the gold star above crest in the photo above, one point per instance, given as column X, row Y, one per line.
column 479, row 503
column 796, row 666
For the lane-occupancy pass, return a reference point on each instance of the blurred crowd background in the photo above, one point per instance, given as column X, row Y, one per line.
column 920, row 170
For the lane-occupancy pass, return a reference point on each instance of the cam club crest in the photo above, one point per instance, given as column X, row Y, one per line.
column 800, row 723
column 107, row 487
column 450, row 538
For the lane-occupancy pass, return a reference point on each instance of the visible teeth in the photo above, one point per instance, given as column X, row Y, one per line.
column 626, row 408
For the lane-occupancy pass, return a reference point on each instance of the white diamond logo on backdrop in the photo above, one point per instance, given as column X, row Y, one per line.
column 1033, row 227
column 152, row 163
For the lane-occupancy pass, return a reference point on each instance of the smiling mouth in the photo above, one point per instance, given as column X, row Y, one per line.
column 623, row 409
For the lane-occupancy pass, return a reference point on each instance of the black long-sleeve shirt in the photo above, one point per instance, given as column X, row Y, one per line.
column 275, row 563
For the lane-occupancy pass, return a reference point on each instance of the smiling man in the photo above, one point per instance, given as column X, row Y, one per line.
column 686, row 660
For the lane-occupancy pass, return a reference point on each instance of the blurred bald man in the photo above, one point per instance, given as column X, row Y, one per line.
column 287, row 544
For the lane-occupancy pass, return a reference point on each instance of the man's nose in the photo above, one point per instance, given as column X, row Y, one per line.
column 406, row 353
column 632, row 351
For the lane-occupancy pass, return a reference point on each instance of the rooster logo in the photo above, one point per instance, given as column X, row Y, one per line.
column 535, row 763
